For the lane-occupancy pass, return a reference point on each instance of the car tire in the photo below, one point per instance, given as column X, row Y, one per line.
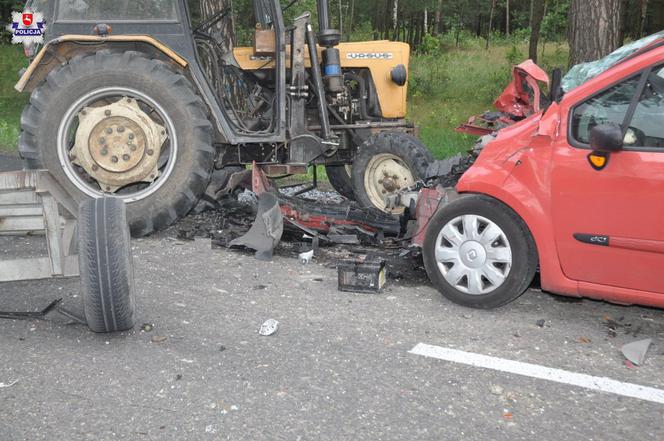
column 105, row 263
column 178, row 185
column 398, row 157
column 467, row 265
column 341, row 180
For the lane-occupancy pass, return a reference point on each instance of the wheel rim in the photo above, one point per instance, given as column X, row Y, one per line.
column 473, row 254
column 386, row 174
column 139, row 158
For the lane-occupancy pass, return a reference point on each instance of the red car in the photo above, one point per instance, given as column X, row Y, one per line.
column 576, row 191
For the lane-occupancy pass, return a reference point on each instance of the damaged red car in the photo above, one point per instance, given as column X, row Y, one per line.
column 575, row 190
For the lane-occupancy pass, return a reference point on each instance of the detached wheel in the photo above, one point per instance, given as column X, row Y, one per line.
column 385, row 164
column 341, row 179
column 479, row 253
column 124, row 125
column 105, row 263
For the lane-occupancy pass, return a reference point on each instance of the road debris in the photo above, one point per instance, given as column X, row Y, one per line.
column 6, row 385
column 147, row 327
column 365, row 274
column 635, row 352
column 265, row 234
column 540, row 323
column 158, row 339
column 269, row 327
column 306, row 257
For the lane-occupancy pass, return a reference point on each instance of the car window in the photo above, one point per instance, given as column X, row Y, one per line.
column 109, row 10
column 609, row 106
column 647, row 126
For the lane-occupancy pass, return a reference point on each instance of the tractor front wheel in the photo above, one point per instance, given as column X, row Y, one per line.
column 385, row 164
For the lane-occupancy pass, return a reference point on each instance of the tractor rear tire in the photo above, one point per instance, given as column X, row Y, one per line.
column 386, row 163
column 105, row 263
column 341, row 180
column 178, row 186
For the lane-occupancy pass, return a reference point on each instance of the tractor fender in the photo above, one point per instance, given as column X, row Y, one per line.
column 62, row 49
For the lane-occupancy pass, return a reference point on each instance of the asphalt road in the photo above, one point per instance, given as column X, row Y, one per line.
column 338, row 368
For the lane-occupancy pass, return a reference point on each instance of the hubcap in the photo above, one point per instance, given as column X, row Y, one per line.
column 473, row 254
column 386, row 174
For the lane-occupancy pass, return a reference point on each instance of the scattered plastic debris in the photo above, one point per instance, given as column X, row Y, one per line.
column 6, row 385
column 158, row 339
column 269, row 327
column 635, row 352
column 306, row 258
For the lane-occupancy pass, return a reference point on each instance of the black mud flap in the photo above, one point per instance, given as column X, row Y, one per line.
column 267, row 229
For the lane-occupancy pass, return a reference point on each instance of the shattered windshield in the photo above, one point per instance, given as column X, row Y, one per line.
column 583, row 72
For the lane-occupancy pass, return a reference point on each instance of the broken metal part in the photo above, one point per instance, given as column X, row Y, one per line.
column 269, row 327
column 343, row 217
column 118, row 144
column 31, row 315
column 521, row 98
column 636, row 351
column 429, row 202
column 267, row 229
column 348, row 239
column 443, row 167
column 55, row 305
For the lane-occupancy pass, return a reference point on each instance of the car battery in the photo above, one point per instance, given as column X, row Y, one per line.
column 364, row 274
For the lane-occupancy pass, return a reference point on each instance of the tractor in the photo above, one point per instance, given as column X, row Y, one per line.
column 152, row 101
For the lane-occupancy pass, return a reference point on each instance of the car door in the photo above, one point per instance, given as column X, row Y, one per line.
column 609, row 223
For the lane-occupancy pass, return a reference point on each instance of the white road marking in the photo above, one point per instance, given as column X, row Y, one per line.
column 542, row 372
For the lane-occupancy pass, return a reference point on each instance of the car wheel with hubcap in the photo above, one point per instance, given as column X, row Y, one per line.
column 479, row 253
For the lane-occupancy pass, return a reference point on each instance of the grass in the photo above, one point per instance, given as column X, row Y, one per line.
column 11, row 102
column 445, row 89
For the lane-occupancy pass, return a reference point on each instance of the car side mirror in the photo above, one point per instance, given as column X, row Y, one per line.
column 607, row 138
